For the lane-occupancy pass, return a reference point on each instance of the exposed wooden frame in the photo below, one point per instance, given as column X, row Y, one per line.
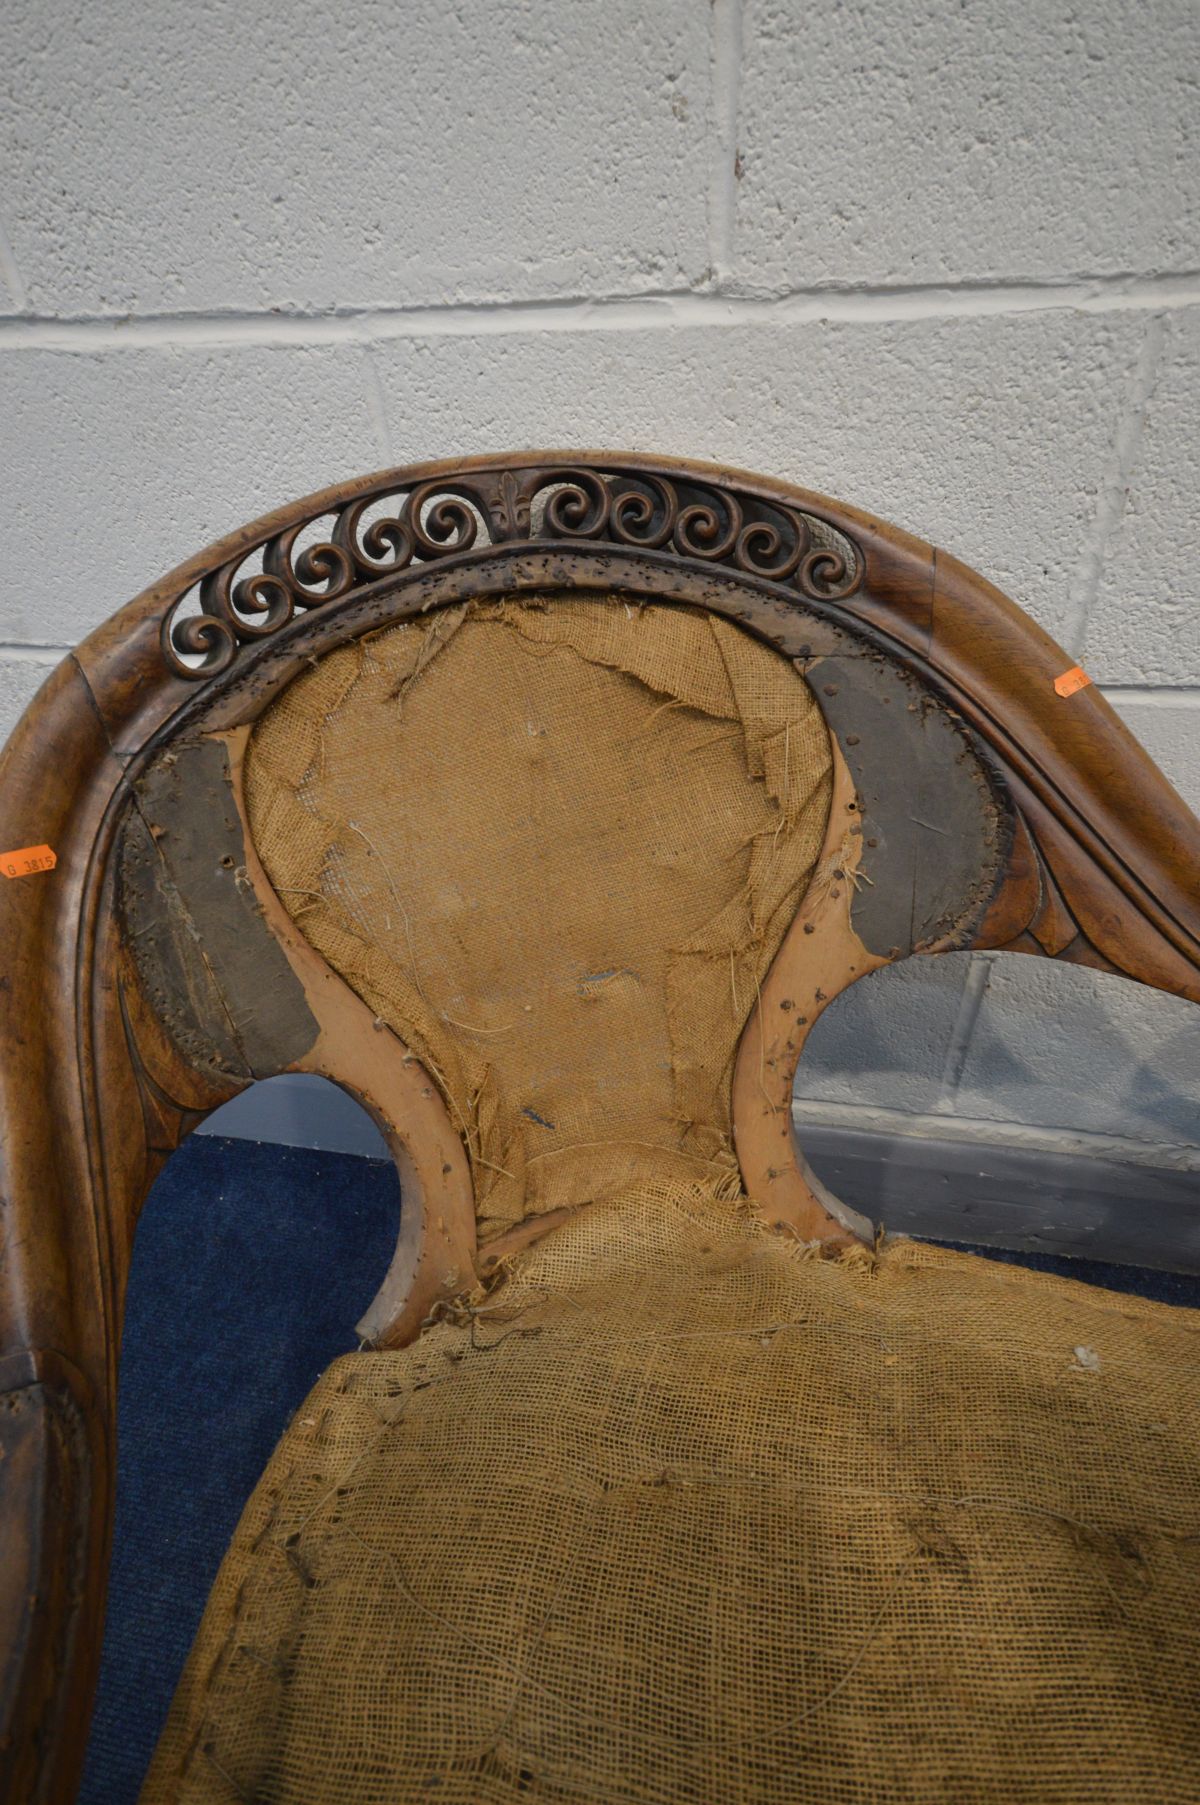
column 1087, row 855
column 821, row 956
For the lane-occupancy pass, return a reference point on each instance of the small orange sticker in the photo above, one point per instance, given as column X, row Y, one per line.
column 26, row 860
column 1071, row 680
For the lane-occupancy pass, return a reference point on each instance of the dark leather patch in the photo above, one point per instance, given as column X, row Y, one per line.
column 212, row 968
column 936, row 824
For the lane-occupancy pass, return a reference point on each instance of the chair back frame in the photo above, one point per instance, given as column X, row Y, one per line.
column 985, row 795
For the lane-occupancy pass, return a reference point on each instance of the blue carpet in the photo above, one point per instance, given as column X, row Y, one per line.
column 1165, row 1287
column 251, row 1266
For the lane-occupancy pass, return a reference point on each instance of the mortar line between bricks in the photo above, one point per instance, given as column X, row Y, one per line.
column 652, row 311
column 727, row 28
column 376, row 403
column 1152, row 695
column 15, row 652
column 962, row 1035
column 1110, row 502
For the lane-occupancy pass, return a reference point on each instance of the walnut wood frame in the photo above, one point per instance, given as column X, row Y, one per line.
column 1078, row 850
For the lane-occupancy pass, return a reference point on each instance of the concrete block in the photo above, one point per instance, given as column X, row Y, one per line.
column 1060, row 1046
column 884, row 1043
column 939, row 425
column 20, row 680
column 210, row 157
column 115, row 467
column 1144, row 626
column 929, row 141
column 1169, row 728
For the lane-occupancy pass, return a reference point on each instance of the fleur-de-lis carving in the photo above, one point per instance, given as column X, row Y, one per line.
column 509, row 508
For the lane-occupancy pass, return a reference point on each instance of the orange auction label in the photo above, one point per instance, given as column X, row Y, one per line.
column 26, row 860
column 1071, row 680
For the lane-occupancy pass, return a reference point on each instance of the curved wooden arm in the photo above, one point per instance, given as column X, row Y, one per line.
column 81, row 1140
column 1101, row 867
column 62, row 1249
column 1105, row 866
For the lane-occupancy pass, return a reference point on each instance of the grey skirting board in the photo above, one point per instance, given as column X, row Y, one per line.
column 1013, row 1197
column 1019, row 1198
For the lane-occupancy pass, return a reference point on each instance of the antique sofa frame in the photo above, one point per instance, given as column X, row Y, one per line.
column 951, row 715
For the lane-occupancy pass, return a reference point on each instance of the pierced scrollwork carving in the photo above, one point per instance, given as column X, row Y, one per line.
column 388, row 530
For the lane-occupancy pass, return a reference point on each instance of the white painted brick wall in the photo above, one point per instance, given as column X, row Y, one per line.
column 246, row 157
column 955, row 141
column 941, row 259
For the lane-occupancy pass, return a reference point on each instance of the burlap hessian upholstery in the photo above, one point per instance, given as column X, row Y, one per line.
column 673, row 1510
